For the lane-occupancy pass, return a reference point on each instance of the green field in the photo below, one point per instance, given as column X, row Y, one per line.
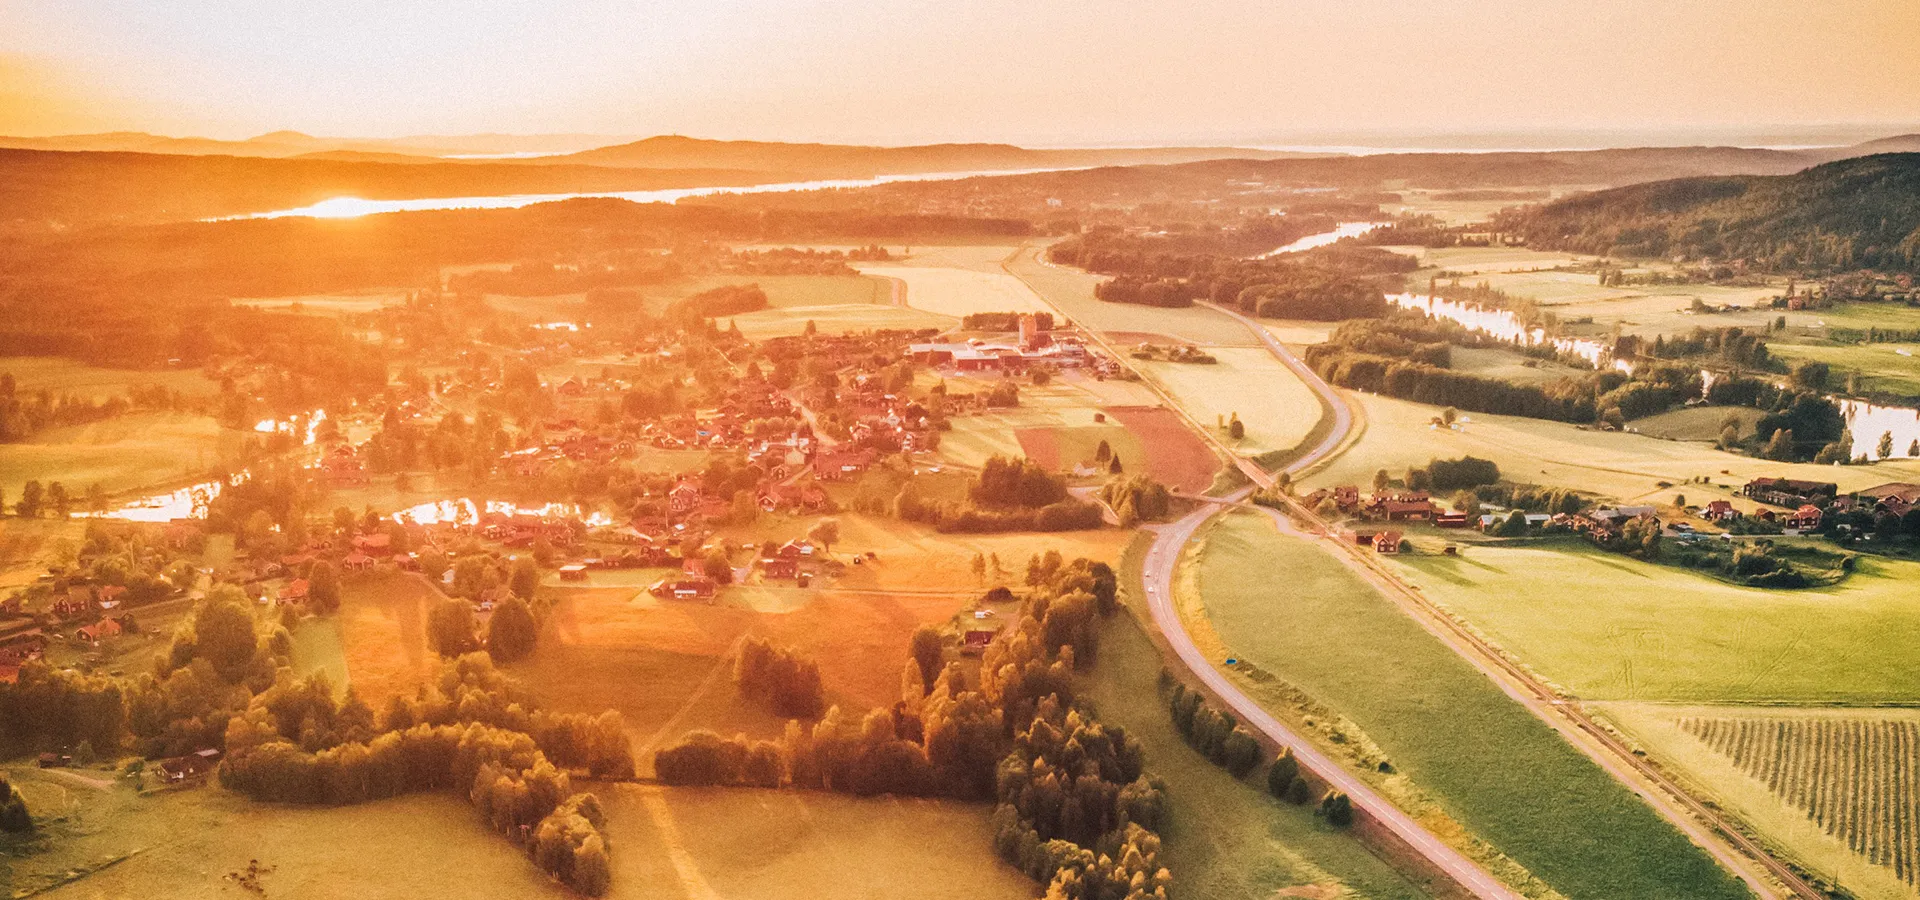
column 1882, row 370
column 119, row 454
column 1696, row 423
column 667, row 843
column 1486, row 762
column 1508, row 365
column 1227, row 840
column 1278, row 410
column 1606, row 627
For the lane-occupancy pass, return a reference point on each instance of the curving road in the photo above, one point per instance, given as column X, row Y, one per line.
column 1702, row 824
column 1161, row 561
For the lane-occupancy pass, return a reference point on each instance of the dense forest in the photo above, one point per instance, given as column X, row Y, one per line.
column 1174, row 268
column 1852, row 214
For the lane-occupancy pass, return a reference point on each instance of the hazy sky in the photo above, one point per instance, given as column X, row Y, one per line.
column 1035, row 71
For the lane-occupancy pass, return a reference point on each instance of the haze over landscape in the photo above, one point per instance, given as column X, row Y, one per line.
column 751, row 451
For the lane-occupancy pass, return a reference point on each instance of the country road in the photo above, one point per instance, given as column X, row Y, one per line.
column 1163, row 557
column 1702, row 824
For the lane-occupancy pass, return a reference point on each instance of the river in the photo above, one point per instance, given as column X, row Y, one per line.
column 1505, row 326
column 1340, row 231
column 350, row 207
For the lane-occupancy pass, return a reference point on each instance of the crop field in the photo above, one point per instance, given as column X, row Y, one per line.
column 1882, row 367
column 1226, row 839
column 782, row 290
column 1606, row 627
column 1830, row 788
column 1462, row 751
column 1277, row 409
column 65, row 376
column 1620, row 466
column 119, row 454
column 1854, row 777
column 666, row 843
column 958, row 292
column 1070, row 291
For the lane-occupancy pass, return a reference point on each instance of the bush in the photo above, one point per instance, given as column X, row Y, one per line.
column 1282, row 773
column 1337, row 808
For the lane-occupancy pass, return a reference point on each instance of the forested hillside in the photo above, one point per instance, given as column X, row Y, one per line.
column 1851, row 214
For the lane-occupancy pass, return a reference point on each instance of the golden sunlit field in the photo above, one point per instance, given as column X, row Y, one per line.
column 687, row 844
column 122, row 454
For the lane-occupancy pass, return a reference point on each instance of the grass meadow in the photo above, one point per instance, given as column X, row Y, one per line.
column 1485, row 762
column 1606, row 627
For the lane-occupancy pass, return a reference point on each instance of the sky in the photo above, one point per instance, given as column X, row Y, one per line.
column 1038, row 72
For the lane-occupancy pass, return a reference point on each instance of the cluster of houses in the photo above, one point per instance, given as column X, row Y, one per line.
column 1389, row 506
column 792, row 561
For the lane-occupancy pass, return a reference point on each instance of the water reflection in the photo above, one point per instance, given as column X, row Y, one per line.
column 1505, row 326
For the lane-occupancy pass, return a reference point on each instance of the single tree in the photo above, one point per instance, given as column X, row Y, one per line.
column 323, row 588
column 826, row 533
column 512, row 631
column 929, row 653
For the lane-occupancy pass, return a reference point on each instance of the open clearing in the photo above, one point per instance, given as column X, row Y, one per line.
column 1762, row 764
column 1696, row 423
column 666, row 843
column 1278, row 410
column 119, row 454
column 1487, row 763
column 1607, row 627
column 65, row 376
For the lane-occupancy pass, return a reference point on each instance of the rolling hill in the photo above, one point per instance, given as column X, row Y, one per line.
column 1850, row 214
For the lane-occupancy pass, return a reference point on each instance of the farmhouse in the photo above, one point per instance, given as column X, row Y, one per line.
column 1790, row 493
column 976, row 640
column 99, row 631
column 1387, row 542
column 193, row 765
column 1720, row 511
column 1804, row 518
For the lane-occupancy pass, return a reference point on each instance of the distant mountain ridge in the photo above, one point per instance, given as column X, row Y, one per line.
column 1854, row 213
column 849, row 160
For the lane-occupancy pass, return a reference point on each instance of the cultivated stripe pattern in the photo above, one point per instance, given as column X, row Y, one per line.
column 1855, row 777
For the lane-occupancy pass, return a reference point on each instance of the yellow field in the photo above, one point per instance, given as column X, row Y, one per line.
column 1661, row 730
column 66, row 376
column 937, row 284
column 1277, row 409
column 667, row 843
column 121, row 454
column 841, row 319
